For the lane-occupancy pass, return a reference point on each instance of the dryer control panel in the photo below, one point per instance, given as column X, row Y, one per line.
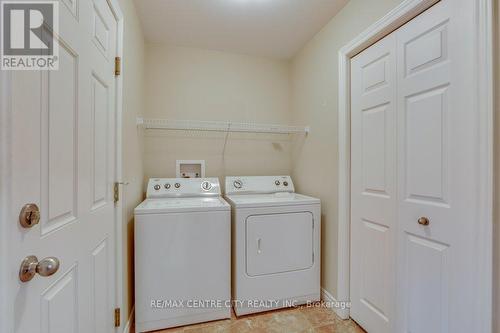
column 259, row 184
column 183, row 187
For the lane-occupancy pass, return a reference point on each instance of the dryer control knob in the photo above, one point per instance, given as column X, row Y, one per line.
column 277, row 183
column 177, row 185
column 157, row 187
column 237, row 184
column 167, row 186
column 285, row 183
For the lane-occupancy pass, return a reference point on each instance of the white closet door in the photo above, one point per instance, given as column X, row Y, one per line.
column 373, row 188
column 412, row 91
column 437, row 144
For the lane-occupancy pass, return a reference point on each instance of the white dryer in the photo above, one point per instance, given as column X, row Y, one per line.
column 182, row 254
column 276, row 244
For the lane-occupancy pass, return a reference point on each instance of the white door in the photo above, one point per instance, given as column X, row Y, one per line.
column 63, row 160
column 437, row 153
column 414, row 151
column 373, row 188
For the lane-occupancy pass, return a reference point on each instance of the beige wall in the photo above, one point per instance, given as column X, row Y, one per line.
column 314, row 102
column 133, row 104
column 194, row 84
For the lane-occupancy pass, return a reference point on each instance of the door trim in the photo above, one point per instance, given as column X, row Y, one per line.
column 484, row 95
column 6, row 311
column 119, row 216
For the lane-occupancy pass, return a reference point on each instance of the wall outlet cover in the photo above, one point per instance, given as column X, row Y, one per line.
column 190, row 169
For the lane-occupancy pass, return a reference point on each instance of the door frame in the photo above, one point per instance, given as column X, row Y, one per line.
column 119, row 216
column 6, row 310
column 484, row 101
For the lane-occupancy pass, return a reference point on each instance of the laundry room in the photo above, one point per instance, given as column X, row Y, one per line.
column 232, row 107
column 249, row 166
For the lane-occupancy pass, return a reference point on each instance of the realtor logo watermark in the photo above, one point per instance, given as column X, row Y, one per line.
column 28, row 30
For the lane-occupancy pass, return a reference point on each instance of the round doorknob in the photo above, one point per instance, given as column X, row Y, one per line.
column 423, row 221
column 30, row 266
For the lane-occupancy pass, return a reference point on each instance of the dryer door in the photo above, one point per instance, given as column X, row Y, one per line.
column 278, row 243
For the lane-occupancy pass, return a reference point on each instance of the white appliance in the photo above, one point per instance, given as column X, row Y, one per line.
column 182, row 254
column 276, row 244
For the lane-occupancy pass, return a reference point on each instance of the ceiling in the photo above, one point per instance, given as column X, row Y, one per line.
column 270, row 28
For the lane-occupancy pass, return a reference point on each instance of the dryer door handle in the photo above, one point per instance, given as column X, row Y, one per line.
column 259, row 241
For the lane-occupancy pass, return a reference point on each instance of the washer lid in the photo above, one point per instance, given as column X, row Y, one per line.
column 272, row 199
column 172, row 205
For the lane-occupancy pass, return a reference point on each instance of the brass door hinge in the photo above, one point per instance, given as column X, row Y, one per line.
column 117, row 317
column 116, row 191
column 118, row 65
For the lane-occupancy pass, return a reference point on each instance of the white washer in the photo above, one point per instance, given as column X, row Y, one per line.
column 182, row 254
column 276, row 244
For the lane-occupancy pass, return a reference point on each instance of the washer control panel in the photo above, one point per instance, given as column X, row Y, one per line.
column 183, row 187
column 259, row 184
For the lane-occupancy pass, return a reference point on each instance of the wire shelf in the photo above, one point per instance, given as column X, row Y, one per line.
column 219, row 126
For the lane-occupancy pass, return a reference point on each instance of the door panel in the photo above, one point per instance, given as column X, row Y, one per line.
column 100, row 143
column 375, row 258
column 100, row 31
column 59, row 144
column 63, row 144
column 426, row 145
column 427, row 49
column 278, row 243
column 61, row 297
column 427, row 286
column 373, row 195
column 373, row 120
column 72, row 7
column 437, row 139
column 100, row 286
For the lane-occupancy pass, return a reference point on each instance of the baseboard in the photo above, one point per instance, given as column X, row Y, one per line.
column 130, row 321
column 340, row 308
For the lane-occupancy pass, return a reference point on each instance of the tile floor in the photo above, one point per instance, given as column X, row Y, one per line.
column 318, row 319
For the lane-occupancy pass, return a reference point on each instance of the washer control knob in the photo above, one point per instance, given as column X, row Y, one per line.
column 277, row 182
column 238, row 184
column 285, row 183
column 206, row 186
column 177, row 185
column 167, row 186
column 157, row 187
